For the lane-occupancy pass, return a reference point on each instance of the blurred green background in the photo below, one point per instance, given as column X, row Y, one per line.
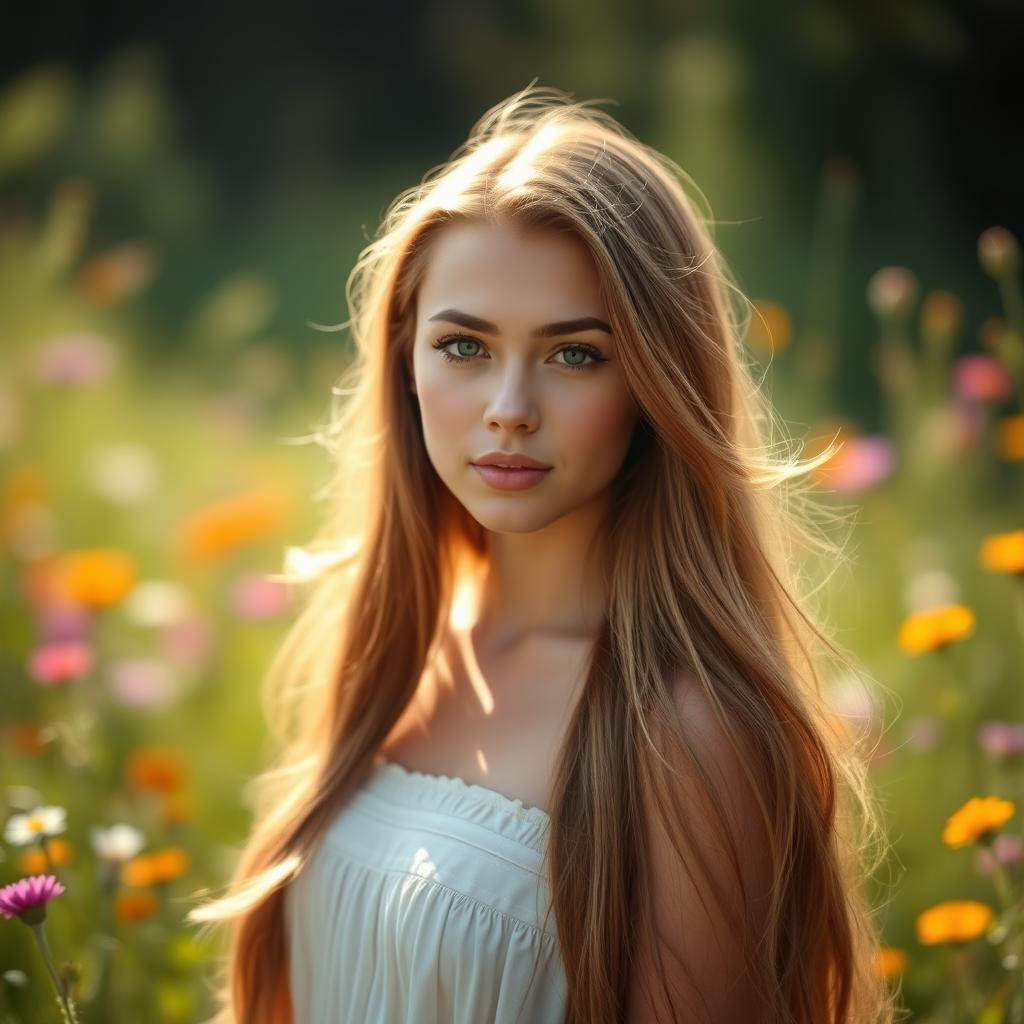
column 181, row 201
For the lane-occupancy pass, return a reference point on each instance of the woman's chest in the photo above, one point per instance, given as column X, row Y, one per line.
column 499, row 725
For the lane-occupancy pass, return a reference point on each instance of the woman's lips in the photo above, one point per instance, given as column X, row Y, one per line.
column 510, row 479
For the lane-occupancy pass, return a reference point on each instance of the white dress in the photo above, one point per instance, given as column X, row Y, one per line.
column 424, row 904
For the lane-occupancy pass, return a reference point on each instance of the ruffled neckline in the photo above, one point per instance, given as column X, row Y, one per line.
column 453, row 794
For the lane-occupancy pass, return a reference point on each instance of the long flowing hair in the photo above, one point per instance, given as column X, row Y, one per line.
column 710, row 519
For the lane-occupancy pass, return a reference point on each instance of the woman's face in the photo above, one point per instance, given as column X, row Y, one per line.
column 529, row 382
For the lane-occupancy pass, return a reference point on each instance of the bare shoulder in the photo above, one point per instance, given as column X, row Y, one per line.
column 697, row 897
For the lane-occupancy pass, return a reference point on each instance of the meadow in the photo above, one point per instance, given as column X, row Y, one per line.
column 151, row 482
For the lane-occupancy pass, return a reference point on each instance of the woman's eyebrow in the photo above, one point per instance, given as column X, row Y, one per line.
column 475, row 323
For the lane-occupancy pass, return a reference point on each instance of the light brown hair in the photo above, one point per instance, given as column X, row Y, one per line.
column 704, row 531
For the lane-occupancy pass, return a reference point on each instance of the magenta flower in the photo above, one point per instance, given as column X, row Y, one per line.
column 1002, row 739
column 27, row 898
column 60, row 662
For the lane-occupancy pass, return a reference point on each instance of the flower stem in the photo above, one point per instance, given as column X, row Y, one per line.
column 67, row 1008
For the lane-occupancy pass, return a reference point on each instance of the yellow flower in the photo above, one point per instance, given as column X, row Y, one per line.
column 1004, row 552
column 890, row 961
column 134, row 906
column 979, row 816
column 154, row 868
column 1010, row 438
column 953, row 921
column 935, row 627
column 96, row 577
column 34, row 862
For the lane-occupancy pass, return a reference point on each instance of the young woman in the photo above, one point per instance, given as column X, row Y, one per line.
column 555, row 746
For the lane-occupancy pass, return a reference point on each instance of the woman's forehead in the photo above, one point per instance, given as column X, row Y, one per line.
column 508, row 273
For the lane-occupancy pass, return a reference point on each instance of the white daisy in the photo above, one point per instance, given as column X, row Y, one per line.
column 23, row 829
column 117, row 843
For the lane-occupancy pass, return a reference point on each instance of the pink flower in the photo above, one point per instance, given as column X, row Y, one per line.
column 982, row 378
column 62, row 620
column 143, row 683
column 1002, row 739
column 866, row 462
column 189, row 641
column 924, row 732
column 75, row 359
column 55, row 663
column 256, row 596
column 1008, row 850
column 27, row 898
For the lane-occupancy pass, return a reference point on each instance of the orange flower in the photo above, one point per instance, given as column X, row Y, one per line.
column 232, row 523
column 1010, row 438
column 155, row 868
column 34, row 862
column 177, row 809
column 935, row 627
column 26, row 737
column 152, row 770
column 771, row 327
column 96, row 577
column 116, row 274
column 890, row 962
column 976, row 819
column 953, row 921
column 1004, row 552
column 134, row 906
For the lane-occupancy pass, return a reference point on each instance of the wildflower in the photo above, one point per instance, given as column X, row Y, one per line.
column 256, row 596
column 892, row 291
column 177, row 809
column 27, row 898
column 890, row 961
column 1004, row 552
column 26, row 738
column 1002, row 739
column 981, row 378
column 55, row 663
column 130, row 907
column 57, row 854
column 143, row 683
column 23, row 829
column 1010, row 438
column 935, row 628
column 953, row 921
column 75, row 359
column 116, row 844
column 998, row 252
column 942, row 314
column 771, row 327
column 924, row 732
column 156, row 603
column 155, row 868
column 1006, row 850
column 232, row 523
column 861, row 463
column 152, row 770
column 96, row 577
column 124, row 474
column 974, row 822
column 116, row 274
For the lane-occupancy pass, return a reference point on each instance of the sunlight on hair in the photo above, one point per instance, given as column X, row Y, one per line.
column 449, row 192
column 523, row 167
